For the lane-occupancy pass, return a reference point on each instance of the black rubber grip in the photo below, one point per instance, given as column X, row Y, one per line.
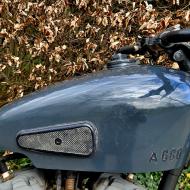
column 127, row 50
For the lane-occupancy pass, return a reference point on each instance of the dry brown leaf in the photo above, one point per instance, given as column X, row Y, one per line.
column 187, row 16
column 1, row 8
column 18, row 26
column 105, row 21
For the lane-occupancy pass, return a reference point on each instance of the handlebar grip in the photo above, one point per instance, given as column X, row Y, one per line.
column 128, row 50
column 175, row 36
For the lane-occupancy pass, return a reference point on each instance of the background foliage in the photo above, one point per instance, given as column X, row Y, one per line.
column 44, row 41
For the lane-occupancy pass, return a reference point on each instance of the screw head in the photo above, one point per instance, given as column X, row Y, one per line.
column 58, row 141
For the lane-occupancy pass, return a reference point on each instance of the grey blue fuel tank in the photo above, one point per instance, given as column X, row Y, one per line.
column 140, row 115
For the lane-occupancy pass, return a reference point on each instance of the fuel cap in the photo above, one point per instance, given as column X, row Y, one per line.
column 120, row 61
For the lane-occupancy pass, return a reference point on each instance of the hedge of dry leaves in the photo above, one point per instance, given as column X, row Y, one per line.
column 42, row 42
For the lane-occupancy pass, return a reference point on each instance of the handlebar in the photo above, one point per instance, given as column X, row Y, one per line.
column 128, row 49
column 175, row 36
column 164, row 39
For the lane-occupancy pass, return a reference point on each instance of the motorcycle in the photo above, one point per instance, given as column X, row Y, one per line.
column 94, row 130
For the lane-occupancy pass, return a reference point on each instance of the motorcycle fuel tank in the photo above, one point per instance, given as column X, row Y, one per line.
column 132, row 119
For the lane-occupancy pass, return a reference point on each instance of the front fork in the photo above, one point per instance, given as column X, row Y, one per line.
column 169, row 179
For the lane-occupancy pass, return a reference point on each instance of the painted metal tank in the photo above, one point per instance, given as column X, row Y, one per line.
column 141, row 115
